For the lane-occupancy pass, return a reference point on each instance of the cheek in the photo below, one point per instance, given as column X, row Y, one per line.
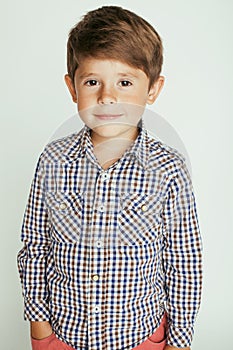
column 144, row 94
column 139, row 96
column 84, row 100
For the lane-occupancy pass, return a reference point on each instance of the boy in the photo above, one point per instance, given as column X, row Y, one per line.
column 112, row 248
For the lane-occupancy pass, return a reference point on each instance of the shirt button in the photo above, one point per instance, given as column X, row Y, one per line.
column 96, row 309
column 101, row 208
column 95, row 277
column 62, row 206
column 105, row 176
column 144, row 207
column 99, row 244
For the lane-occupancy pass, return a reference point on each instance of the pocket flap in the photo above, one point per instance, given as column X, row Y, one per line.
column 63, row 202
column 144, row 203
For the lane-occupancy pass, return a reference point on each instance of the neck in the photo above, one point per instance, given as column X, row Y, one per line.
column 109, row 150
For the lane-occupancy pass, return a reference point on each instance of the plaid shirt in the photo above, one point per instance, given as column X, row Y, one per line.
column 107, row 252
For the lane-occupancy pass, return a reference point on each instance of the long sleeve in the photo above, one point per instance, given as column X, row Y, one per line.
column 182, row 259
column 32, row 258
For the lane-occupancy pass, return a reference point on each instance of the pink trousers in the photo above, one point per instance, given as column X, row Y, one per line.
column 156, row 341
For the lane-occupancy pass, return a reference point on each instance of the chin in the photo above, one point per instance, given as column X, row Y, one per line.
column 110, row 130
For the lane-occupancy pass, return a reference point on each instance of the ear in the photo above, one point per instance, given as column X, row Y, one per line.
column 155, row 90
column 71, row 87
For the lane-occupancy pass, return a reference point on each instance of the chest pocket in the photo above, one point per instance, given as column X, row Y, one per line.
column 139, row 222
column 65, row 213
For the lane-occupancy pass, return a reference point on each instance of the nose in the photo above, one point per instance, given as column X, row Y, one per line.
column 107, row 96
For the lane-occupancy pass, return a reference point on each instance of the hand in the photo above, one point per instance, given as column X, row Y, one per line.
column 168, row 347
column 40, row 330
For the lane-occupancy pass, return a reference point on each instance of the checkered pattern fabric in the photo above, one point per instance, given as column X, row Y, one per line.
column 107, row 252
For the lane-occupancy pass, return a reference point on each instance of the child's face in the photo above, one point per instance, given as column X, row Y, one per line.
column 111, row 97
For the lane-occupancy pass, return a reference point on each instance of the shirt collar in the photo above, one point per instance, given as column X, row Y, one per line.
column 140, row 147
column 82, row 144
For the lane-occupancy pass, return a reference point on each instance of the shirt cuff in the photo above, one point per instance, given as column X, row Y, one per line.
column 179, row 337
column 36, row 310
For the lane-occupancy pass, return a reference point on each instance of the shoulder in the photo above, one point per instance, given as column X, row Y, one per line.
column 56, row 150
column 165, row 159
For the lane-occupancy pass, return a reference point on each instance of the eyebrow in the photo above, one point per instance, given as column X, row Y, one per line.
column 86, row 75
column 126, row 74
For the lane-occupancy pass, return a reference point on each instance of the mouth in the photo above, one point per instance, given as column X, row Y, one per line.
column 108, row 116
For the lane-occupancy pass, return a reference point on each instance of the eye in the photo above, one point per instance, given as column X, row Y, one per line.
column 91, row 82
column 125, row 83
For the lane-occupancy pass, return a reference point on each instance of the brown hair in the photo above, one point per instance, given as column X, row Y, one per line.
column 116, row 33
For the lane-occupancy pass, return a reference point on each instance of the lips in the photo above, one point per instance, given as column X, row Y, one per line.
column 108, row 116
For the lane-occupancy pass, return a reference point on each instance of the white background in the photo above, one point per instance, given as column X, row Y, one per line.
column 196, row 101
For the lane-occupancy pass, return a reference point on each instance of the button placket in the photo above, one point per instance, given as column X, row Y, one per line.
column 99, row 209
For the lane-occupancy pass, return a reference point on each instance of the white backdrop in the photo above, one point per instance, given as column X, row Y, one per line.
column 196, row 101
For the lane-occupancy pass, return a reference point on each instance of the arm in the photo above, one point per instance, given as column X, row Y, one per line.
column 182, row 258
column 32, row 258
